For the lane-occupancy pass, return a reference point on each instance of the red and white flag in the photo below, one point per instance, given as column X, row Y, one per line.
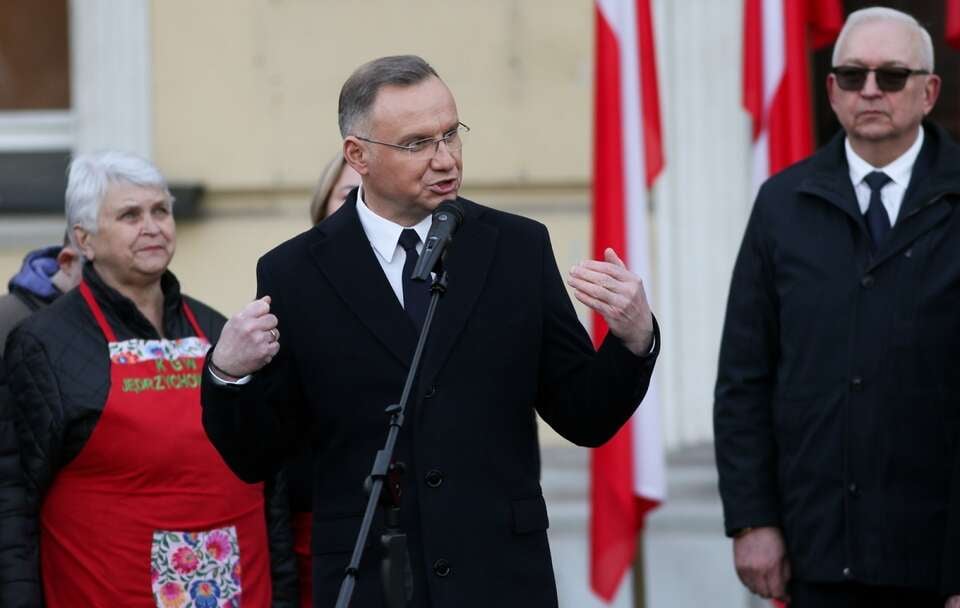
column 777, row 38
column 627, row 473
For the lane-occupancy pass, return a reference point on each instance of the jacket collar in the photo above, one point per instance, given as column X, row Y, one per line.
column 343, row 254
column 935, row 174
column 126, row 318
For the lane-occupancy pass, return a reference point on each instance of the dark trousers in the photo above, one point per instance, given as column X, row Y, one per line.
column 855, row 595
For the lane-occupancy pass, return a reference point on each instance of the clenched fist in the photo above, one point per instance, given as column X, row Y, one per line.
column 249, row 340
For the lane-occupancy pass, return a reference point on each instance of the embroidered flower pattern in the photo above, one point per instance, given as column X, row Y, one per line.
column 171, row 595
column 135, row 351
column 196, row 569
column 184, row 560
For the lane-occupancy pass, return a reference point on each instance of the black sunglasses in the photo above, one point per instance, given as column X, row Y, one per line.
column 852, row 78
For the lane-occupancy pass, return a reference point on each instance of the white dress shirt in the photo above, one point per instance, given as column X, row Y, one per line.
column 899, row 172
column 384, row 237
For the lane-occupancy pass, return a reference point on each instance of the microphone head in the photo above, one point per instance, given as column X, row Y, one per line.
column 451, row 207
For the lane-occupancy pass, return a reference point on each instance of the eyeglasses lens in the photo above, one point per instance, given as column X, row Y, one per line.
column 888, row 79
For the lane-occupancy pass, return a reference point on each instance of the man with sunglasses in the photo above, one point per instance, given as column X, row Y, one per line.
column 838, row 394
column 326, row 348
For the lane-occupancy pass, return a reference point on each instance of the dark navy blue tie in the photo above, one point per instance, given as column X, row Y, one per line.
column 878, row 222
column 416, row 294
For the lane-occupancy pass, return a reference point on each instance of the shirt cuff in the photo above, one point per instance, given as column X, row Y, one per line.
column 218, row 380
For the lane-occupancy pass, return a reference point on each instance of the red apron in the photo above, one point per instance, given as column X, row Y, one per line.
column 148, row 514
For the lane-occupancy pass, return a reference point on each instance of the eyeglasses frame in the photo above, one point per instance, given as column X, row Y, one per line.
column 435, row 140
column 907, row 72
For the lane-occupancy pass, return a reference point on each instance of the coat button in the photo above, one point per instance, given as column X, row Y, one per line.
column 867, row 281
column 853, row 489
column 431, row 392
column 442, row 568
column 434, row 478
column 856, row 383
column 908, row 253
column 847, row 573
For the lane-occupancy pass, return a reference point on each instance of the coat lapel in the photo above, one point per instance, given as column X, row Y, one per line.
column 344, row 256
column 468, row 262
column 830, row 180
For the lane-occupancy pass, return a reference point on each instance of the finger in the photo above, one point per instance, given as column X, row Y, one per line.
column 603, row 279
column 596, row 292
column 618, row 272
column 753, row 582
column 599, row 306
column 264, row 323
column 255, row 309
column 775, row 582
column 611, row 256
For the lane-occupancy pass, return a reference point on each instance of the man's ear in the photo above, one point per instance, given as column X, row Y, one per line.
column 357, row 154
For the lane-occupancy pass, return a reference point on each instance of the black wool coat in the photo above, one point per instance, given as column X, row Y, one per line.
column 506, row 343
column 838, row 392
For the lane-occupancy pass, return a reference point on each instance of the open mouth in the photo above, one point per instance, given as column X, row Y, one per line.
column 446, row 186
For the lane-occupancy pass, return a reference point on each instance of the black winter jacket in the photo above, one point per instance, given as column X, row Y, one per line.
column 838, row 394
column 58, row 378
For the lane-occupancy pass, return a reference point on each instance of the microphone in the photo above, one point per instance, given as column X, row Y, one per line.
column 446, row 219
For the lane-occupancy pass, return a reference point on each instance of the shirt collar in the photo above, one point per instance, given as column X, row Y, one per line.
column 899, row 170
column 384, row 234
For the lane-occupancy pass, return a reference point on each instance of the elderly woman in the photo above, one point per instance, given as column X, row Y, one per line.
column 133, row 505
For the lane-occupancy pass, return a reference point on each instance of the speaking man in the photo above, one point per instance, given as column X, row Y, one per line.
column 837, row 402
column 327, row 345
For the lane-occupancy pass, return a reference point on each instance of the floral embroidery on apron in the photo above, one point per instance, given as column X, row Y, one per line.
column 196, row 569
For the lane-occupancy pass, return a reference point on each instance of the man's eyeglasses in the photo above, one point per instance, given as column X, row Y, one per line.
column 423, row 149
column 889, row 79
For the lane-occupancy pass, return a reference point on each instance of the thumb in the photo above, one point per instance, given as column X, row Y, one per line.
column 611, row 256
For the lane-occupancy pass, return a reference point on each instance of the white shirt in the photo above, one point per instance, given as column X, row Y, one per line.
column 384, row 237
column 899, row 172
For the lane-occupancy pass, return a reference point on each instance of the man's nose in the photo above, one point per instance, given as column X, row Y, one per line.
column 870, row 87
column 442, row 158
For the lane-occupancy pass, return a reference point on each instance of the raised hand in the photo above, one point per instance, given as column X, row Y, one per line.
column 249, row 340
column 617, row 294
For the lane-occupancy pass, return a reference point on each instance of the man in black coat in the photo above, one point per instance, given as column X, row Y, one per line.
column 837, row 411
column 327, row 345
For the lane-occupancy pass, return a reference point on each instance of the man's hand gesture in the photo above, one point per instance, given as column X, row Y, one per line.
column 249, row 340
column 617, row 294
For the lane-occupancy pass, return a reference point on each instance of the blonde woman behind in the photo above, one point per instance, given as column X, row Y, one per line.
column 335, row 183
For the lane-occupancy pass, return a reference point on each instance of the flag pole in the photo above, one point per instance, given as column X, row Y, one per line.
column 639, row 576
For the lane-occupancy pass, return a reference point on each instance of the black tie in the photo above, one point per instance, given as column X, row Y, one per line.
column 416, row 294
column 878, row 222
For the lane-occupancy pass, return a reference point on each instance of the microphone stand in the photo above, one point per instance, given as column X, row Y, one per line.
column 397, row 580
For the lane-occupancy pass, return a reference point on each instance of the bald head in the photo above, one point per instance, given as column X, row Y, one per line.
column 916, row 37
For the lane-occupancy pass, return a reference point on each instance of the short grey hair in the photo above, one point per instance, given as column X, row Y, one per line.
column 882, row 13
column 360, row 90
column 91, row 175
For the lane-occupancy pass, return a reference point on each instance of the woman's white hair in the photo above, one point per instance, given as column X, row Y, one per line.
column 91, row 175
column 882, row 13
